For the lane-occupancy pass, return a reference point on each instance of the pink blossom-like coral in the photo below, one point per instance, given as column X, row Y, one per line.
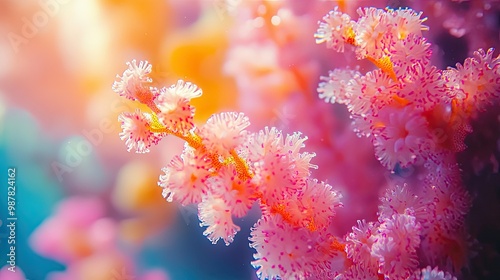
column 175, row 112
column 429, row 273
column 335, row 30
column 447, row 204
column 359, row 245
column 226, row 169
column 335, row 87
column 476, row 83
column 395, row 245
column 313, row 206
column 423, row 86
column 417, row 117
column 136, row 132
column 371, row 34
column 401, row 106
column 239, row 193
column 132, row 84
column 224, row 132
column 215, row 214
column 368, row 93
column 396, row 200
column 407, row 52
column 393, row 41
column 285, row 252
column 185, row 177
column 278, row 164
column 400, row 136
column 171, row 110
column 405, row 22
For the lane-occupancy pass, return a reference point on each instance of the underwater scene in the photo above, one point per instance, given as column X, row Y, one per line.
column 249, row 139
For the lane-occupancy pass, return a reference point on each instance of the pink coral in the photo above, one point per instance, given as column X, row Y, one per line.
column 239, row 194
column 396, row 200
column 399, row 103
column 11, row 273
column 335, row 87
column 395, row 245
column 132, row 83
column 215, row 214
column 423, row 86
column 370, row 92
column 284, row 252
column 409, row 51
column 334, row 30
column 359, row 244
column 401, row 136
column 314, row 205
column 405, row 22
column 417, row 116
column 185, row 177
column 136, row 132
column 175, row 112
column 224, row 132
column 371, row 32
column 77, row 230
column 429, row 273
column 278, row 164
column 476, row 83
column 226, row 169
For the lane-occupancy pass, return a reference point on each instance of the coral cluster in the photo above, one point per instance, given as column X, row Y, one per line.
column 225, row 169
column 416, row 116
column 80, row 236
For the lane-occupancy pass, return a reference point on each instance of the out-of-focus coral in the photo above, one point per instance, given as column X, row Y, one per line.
column 78, row 230
column 11, row 274
column 460, row 27
column 197, row 51
column 81, row 236
column 139, row 200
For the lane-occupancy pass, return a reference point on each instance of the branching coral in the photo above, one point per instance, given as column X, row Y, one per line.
column 416, row 116
column 226, row 169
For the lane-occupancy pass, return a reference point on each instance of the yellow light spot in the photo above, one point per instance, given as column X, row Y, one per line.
column 378, row 124
column 400, row 100
column 385, row 65
column 193, row 178
column 237, row 187
column 312, row 225
column 351, row 36
column 280, row 209
column 402, row 35
column 337, row 246
column 342, row 5
column 155, row 123
column 241, row 166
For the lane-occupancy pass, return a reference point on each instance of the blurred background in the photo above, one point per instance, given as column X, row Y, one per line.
column 88, row 209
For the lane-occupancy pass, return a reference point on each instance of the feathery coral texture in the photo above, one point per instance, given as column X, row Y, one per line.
column 416, row 116
column 226, row 169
